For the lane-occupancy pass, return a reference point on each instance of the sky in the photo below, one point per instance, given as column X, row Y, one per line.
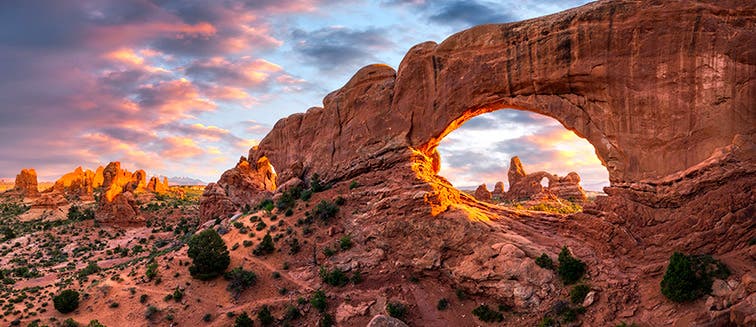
column 183, row 88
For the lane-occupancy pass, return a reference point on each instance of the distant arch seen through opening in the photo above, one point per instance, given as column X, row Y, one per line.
column 480, row 150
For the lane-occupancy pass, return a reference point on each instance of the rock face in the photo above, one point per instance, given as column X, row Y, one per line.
column 482, row 193
column 26, row 183
column 244, row 185
column 78, row 183
column 157, row 186
column 668, row 105
column 498, row 191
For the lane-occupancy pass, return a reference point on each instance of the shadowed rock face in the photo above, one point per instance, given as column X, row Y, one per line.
column 26, row 183
column 664, row 91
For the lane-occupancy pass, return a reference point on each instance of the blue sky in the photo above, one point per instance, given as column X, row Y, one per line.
column 183, row 88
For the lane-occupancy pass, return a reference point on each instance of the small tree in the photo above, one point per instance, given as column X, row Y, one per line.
column 243, row 320
column 266, row 319
column 318, row 300
column 570, row 269
column 265, row 247
column 67, row 301
column 544, row 261
column 209, row 254
column 690, row 277
column 239, row 280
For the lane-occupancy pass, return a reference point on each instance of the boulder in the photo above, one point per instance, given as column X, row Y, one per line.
column 482, row 193
column 385, row 321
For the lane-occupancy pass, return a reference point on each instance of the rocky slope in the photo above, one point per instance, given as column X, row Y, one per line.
column 667, row 103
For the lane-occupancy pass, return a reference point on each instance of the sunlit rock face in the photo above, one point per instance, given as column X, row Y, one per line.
column 668, row 105
column 26, row 183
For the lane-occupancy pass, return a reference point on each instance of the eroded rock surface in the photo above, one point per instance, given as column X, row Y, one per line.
column 26, row 183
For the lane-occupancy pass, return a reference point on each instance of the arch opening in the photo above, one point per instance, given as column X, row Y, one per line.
column 515, row 157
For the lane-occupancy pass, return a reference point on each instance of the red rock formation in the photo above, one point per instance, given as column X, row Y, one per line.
column 524, row 186
column 482, row 193
column 78, row 183
column 244, row 185
column 156, row 186
column 667, row 103
column 50, row 200
column 26, row 183
column 498, row 192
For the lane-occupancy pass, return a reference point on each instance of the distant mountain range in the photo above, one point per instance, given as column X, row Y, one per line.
column 183, row 180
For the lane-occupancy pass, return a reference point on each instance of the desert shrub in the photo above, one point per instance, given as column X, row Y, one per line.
column 316, row 185
column 289, row 212
column 486, row 314
column 327, row 320
column 288, row 199
column 334, row 277
column 442, row 304
column 345, row 242
column 339, row 201
column 239, row 280
column 291, row 313
column 396, row 309
column 151, row 270
column 70, row 323
column 460, row 294
column 265, row 247
column 247, row 243
column 265, row 317
column 294, row 246
column 143, row 298
column 77, row 214
column 209, row 255
column 306, row 195
column 95, row 323
column 690, row 277
column 578, row 293
column 544, row 261
column 91, row 268
column 328, row 251
column 325, row 210
column 266, row 205
column 207, row 317
column 178, row 294
column 318, row 300
column 356, row 277
column 354, row 185
column 150, row 312
column 67, row 301
column 260, row 226
column 547, row 322
column 243, row 320
column 570, row 268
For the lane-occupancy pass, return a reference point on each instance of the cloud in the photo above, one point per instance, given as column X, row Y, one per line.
column 340, row 49
column 470, row 13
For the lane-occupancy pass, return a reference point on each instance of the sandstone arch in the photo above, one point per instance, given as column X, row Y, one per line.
column 654, row 96
column 669, row 105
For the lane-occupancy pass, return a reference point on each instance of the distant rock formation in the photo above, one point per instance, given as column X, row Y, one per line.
column 78, row 183
column 26, row 183
column 524, row 186
column 482, row 193
column 244, row 185
column 156, row 186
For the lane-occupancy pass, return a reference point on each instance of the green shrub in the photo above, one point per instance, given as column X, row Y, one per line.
column 243, row 320
column 291, row 313
column 570, row 268
column 95, row 323
column 354, row 185
column 327, row 320
column 690, row 277
column 318, row 300
column 578, row 293
column 396, row 309
column 151, row 270
column 325, row 210
column 207, row 317
column 178, row 294
column 339, row 201
column 209, row 255
column 316, row 185
column 150, row 312
column 265, row 247
column 544, row 261
column 239, row 280
column 334, row 277
column 70, row 323
column 266, row 319
column 442, row 304
column 345, row 242
column 486, row 314
column 67, row 301
column 91, row 268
